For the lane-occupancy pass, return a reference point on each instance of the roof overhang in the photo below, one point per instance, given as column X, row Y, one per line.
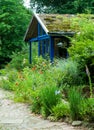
column 32, row 30
column 59, row 34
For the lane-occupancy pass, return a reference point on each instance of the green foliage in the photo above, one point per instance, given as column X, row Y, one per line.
column 87, row 110
column 19, row 60
column 40, row 64
column 23, row 86
column 82, row 49
column 36, row 101
column 90, row 83
column 50, row 96
column 8, row 77
column 41, row 85
column 70, row 74
column 75, row 99
column 61, row 110
column 14, row 19
column 64, row 6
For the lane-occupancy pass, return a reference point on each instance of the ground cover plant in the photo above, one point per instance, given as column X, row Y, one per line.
column 61, row 90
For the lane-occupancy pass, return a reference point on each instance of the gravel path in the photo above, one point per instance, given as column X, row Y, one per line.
column 17, row 116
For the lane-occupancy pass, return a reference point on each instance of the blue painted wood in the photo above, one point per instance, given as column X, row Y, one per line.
column 30, row 52
column 39, row 29
column 33, row 39
column 43, row 37
column 43, row 43
column 51, row 49
column 39, row 38
column 39, row 48
column 43, row 32
column 47, row 46
column 39, row 43
column 43, row 48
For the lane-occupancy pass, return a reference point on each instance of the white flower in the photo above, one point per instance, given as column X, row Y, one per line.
column 24, row 61
column 78, row 33
column 57, row 92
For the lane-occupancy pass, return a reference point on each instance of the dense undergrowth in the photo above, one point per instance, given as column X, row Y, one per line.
column 61, row 90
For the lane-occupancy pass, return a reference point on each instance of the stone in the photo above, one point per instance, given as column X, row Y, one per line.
column 76, row 123
column 17, row 116
column 11, row 121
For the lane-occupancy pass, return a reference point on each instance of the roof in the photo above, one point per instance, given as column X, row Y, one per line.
column 52, row 24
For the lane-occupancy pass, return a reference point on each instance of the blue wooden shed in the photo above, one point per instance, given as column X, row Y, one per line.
column 51, row 31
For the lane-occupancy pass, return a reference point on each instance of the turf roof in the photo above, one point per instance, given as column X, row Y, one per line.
column 58, row 24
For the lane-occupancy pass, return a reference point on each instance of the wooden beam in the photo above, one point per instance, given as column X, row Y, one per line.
column 51, row 49
column 39, row 42
column 39, row 38
column 41, row 23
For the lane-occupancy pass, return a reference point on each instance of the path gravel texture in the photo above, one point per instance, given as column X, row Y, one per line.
column 17, row 116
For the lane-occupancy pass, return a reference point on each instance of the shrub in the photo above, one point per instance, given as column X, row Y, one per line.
column 82, row 48
column 40, row 64
column 27, row 84
column 19, row 60
column 8, row 78
column 70, row 73
column 61, row 110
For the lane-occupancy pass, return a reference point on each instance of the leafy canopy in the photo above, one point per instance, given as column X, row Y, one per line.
column 64, row 6
column 14, row 18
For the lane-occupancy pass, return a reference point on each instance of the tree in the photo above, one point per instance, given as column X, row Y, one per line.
column 64, row 6
column 14, row 18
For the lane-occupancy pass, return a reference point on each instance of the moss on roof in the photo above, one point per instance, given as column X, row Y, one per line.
column 58, row 24
column 55, row 23
column 62, row 23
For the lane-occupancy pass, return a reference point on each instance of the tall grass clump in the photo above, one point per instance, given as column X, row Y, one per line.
column 75, row 99
column 50, row 97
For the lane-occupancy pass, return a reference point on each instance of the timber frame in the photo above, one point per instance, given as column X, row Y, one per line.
column 38, row 32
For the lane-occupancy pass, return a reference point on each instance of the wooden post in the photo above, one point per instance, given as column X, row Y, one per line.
column 39, row 42
column 51, row 49
column 43, row 44
column 43, row 49
column 46, row 47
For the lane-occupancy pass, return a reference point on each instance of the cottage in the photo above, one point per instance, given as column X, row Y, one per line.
column 51, row 31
